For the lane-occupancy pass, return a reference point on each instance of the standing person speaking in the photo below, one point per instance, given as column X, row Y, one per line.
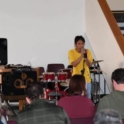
column 81, row 59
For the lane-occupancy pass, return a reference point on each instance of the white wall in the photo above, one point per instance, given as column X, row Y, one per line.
column 102, row 40
column 116, row 4
column 41, row 31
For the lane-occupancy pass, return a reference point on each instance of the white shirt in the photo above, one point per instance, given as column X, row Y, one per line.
column 3, row 120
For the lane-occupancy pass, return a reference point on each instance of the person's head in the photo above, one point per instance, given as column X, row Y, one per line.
column 33, row 91
column 77, row 85
column 118, row 79
column 107, row 116
column 79, row 42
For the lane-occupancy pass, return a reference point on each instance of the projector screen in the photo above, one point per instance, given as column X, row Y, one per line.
column 41, row 31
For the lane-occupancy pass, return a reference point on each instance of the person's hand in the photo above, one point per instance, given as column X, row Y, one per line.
column 83, row 53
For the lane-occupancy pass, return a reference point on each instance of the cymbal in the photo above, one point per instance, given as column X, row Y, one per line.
column 97, row 61
column 54, row 94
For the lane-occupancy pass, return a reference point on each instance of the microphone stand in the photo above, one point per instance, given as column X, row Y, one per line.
column 56, row 91
column 83, row 69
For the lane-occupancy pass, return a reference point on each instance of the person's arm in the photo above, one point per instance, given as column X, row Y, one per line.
column 103, row 104
column 88, row 62
column 77, row 61
column 72, row 60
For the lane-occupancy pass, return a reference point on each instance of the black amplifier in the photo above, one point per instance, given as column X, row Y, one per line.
column 15, row 82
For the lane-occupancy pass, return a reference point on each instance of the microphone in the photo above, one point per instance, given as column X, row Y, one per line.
column 82, row 49
column 85, row 54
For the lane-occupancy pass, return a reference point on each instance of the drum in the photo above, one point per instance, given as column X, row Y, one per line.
column 48, row 76
column 62, row 76
column 66, row 83
column 69, row 72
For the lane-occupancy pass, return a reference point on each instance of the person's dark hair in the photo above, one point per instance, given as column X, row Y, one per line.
column 77, row 38
column 34, row 91
column 118, row 75
column 77, row 85
column 107, row 116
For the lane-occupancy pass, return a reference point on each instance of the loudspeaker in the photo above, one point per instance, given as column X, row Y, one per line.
column 14, row 83
column 3, row 51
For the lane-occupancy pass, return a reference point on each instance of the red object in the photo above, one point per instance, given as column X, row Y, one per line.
column 48, row 76
column 77, row 106
column 69, row 72
column 88, row 120
column 56, row 86
column 62, row 76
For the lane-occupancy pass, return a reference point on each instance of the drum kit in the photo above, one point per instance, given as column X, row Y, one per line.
column 54, row 82
column 51, row 76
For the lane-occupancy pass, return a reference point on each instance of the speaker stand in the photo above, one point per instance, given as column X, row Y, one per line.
column 3, row 98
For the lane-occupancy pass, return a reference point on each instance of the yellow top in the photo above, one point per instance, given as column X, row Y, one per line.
column 74, row 55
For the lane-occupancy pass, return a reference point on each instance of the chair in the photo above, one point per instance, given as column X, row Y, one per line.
column 88, row 120
column 56, row 67
column 41, row 70
column 123, row 121
column 40, row 73
column 11, row 122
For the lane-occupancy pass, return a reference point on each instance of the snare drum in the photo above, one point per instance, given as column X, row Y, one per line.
column 48, row 76
column 62, row 76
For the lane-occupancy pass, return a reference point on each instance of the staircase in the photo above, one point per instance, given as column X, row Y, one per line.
column 119, row 16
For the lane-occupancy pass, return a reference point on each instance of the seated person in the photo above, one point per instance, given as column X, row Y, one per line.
column 76, row 104
column 115, row 100
column 40, row 111
column 107, row 116
column 2, row 118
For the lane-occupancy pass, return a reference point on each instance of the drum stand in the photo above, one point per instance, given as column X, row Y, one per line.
column 96, row 87
column 96, row 90
column 55, row 93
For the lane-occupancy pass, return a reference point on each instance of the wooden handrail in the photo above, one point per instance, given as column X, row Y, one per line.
column 112, row 23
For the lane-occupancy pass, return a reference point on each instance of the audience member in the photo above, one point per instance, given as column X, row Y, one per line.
column 40, row 111
column 107, row 116
column 76, row 104
column 2, row 118
column 115, row 100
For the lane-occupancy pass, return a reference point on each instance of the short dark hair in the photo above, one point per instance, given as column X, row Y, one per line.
column 107, row 116
column 34, row 91
column 77, row 85
column 118, row 75
column 77, row 38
